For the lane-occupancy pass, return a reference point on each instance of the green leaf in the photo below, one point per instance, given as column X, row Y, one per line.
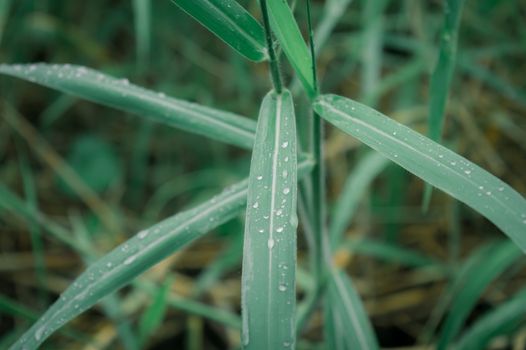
column 269, row 254
column 120, row 266
column 432, row 162
column 124, row 263
column 443, row 72
column 476, row 278
column 289, row 36
column 495, row 322
column 119, row 93
column 348, row 326
column 231, row 23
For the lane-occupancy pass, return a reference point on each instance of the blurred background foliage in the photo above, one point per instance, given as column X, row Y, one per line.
column 106, row 175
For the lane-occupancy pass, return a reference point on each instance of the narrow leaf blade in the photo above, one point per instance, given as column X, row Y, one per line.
column 289, row 36
column 124, row 263
column 119, row 93
column 231, row 23
column 269, row 254
column 432, row 162
column 352, row 328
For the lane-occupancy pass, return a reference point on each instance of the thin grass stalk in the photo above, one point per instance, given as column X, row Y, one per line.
column 273, row 60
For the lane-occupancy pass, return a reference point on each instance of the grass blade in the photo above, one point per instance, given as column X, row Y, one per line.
column 269, row 254
column 498, row 258
column 289, row 36
column 119, row 93
column 495, row 322
column 355, row 186
column 350, row 327
column 432, row 162
column 231, row 23
column 443, row 72
column 133, row 257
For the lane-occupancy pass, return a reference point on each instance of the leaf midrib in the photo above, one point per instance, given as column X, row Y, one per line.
column 277, row 128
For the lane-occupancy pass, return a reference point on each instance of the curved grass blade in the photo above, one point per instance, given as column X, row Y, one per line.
column 499, row 257
column 506, row 316
column 146, row 248
column 432, row 162
column 349, row 327
column 289, row 36
column 355, row 186
column 269, row 254
column 231, row 23
column 133, row 257
column 119, row 93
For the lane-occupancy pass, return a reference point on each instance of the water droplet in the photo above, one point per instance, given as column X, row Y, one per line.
column 279, row 229
column 501, row 189
column 129, row 260
column 481, row 187
column 259, row 177
column 286, row 159
column 453, row 163
column 394, row 132
column 285, row 174
column 39, row 333
column 467, row 171
column 279, row 212
column 270, row 243
column 143, row 234
column 440, row 156
column 286, row 190
column 488, row 193
column 255, row 205
column 282, row 287
column 285, row 144
column 109, row 264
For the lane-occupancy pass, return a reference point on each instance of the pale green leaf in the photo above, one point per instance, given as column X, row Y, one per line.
column 269, row 254
column 432, row 162
column 119, row 93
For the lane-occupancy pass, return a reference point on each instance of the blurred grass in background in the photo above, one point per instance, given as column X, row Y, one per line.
column 410, row 266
